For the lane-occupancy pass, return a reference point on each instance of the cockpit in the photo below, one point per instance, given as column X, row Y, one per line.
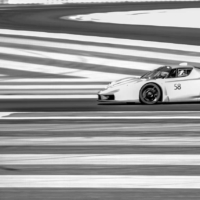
column 167, row 72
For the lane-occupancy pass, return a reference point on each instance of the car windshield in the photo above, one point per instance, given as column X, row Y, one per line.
column 162, row 72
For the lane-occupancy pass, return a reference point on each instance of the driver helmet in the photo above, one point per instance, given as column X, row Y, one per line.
column 164, row 74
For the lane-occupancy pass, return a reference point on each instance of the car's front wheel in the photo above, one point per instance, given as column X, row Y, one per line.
column 150, row 94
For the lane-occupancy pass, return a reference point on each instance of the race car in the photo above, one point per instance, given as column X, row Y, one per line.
column 174, row 83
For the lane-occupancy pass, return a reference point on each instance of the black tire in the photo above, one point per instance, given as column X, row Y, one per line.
column 150, row 94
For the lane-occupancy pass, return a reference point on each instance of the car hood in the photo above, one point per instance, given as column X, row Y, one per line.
column 125, row 80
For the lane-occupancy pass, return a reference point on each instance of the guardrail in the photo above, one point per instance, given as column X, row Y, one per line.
column 78, row 1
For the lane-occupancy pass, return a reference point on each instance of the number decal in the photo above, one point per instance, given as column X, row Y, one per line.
column 177, row 86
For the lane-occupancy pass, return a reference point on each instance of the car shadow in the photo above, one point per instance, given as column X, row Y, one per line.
column 159, row 103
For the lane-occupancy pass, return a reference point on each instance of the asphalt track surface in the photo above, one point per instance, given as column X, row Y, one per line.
column 65, row 105
column 46, row 19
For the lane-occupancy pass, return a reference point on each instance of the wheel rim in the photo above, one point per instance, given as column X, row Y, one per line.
column 150, row 94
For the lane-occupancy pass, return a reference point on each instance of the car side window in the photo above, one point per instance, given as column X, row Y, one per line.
column 172, row 73
column 180, row 72
column 183, row 72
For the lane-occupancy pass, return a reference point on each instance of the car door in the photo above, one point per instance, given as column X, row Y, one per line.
column 179, row 87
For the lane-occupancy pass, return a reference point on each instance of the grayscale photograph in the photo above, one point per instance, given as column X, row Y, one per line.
column 99, row 99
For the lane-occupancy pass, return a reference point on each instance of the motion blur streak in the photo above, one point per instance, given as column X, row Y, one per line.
column 101, row 141
column 169, row 182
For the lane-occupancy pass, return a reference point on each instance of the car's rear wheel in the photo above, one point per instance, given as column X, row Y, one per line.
column 150, row 94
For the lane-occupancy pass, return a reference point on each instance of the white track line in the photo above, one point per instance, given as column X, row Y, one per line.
column 101, row 40
column 182, row 17
column 49, row 80
column 42, row 87
column 96, row 127
column 107, row 115
column 77, row 117
column 50, row 69
column 99, row 181
column 102, row 141
column 79, row 1
column 59, row 70
column 50, row 92
column 110, row 113
column 99, row 159
column 5, row 114
column 119, row 113
column 75, row 96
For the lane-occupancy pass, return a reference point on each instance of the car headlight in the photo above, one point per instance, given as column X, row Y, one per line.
column 107, row 86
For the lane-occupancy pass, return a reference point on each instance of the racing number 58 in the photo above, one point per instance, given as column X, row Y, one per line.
column 177, row 86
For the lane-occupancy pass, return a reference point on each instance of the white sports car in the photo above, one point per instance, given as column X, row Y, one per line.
column 165, row 84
